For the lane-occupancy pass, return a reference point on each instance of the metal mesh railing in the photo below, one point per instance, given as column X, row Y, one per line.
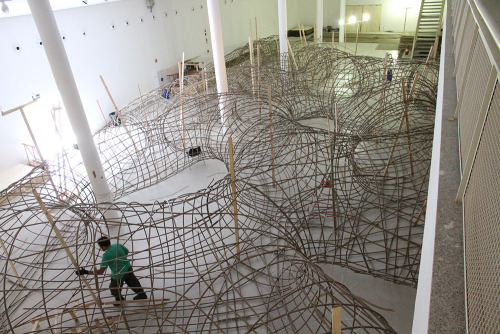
column 482, row 229
column 475, row 86
column 478, row 112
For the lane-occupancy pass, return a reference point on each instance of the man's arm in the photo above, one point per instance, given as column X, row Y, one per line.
column 99, row 271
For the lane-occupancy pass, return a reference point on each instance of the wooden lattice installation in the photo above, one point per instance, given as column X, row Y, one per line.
column 330, row 165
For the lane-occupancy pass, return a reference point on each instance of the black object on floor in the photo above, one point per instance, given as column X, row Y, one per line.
column 194, row 151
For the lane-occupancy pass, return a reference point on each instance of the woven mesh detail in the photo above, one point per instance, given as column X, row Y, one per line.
column 482, row 229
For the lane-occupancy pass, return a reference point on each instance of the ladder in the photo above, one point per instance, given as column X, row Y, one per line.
column 428, row 27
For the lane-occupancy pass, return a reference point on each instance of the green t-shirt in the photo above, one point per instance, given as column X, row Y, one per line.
column 115, row 257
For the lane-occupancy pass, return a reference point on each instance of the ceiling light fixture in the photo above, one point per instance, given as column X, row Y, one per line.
column 5, row 8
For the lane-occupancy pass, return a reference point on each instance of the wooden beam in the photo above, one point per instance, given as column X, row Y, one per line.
column 405, row 110
column 235, row 203
column 291, row 52
column 252, row 74
column 181, row 85
column 382, row 94
column 64, row 245
column 420, row 213
column 138, row 301
column 258, row 80
column 122, row 121
column 269, row 102
column 11, row 263
column 336, row 320
column 5, row 113
column 256, row 32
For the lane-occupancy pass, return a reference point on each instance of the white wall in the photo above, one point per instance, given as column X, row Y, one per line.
column 393, row 13
column 125, row 56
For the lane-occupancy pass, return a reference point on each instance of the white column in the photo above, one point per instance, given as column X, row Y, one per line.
column 218, row 51
column 61, row 70
column 283, row 29
column 342, row 19
column 319, row 21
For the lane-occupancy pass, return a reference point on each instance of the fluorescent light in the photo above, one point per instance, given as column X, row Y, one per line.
column 352, row 19
column 366, row 17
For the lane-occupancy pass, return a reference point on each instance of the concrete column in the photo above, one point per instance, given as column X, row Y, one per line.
column 218, row 51
column 283, row 30
column 342, row 20
column 319, row 21
column 61, row 70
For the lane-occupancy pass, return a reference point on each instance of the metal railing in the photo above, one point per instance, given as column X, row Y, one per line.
column 477, row 59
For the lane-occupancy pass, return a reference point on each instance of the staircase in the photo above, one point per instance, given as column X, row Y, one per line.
column 428, row 27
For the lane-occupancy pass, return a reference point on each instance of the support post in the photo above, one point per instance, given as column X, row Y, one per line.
column 219, row 61
column 357, row 36
column 420, row 213
column 384, row 75
column 405, row 106
column 256, row 31
column 319, row 21
column 342, row 21
column 11, row 264
column 63, row 244
column 258, row 80
column 283, row 30
column 119, row 115
column 300, row 31
column 252, row 74
column 293, row 56
column 58, row 60
column 314, row 30
column 336, row 320
column 269, row 102
column 21, row 109
column 235, row 203
column 181, row 88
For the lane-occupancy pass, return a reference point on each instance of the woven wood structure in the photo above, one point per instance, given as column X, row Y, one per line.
column 345, row 184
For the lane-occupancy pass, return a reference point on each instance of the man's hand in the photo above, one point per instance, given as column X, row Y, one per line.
column 81, row 271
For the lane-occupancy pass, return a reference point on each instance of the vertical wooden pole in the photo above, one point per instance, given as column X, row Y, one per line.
column 147, row 123
column 269, row 102
column 204, row 78
column 384, row 75
column 11, row 264
column 31, row 134
column 119, row 115
column 181, row 85
column 235, row 204
column 357, row 35
column 258, row 80
column 420, row 213
column 336, row 320
column 332, row 177
column 21, row 109
column 403, row 119
column 413, row 86
column 250, row 46
column 64, row 245
column 405, row 102
column 333, row 40
column 394, row 146
column 304, row 34
column 256, row 32
column 291, row 52
column 315, row 34
column 300, row 31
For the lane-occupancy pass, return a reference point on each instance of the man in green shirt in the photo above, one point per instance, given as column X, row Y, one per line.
column 115, row 257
